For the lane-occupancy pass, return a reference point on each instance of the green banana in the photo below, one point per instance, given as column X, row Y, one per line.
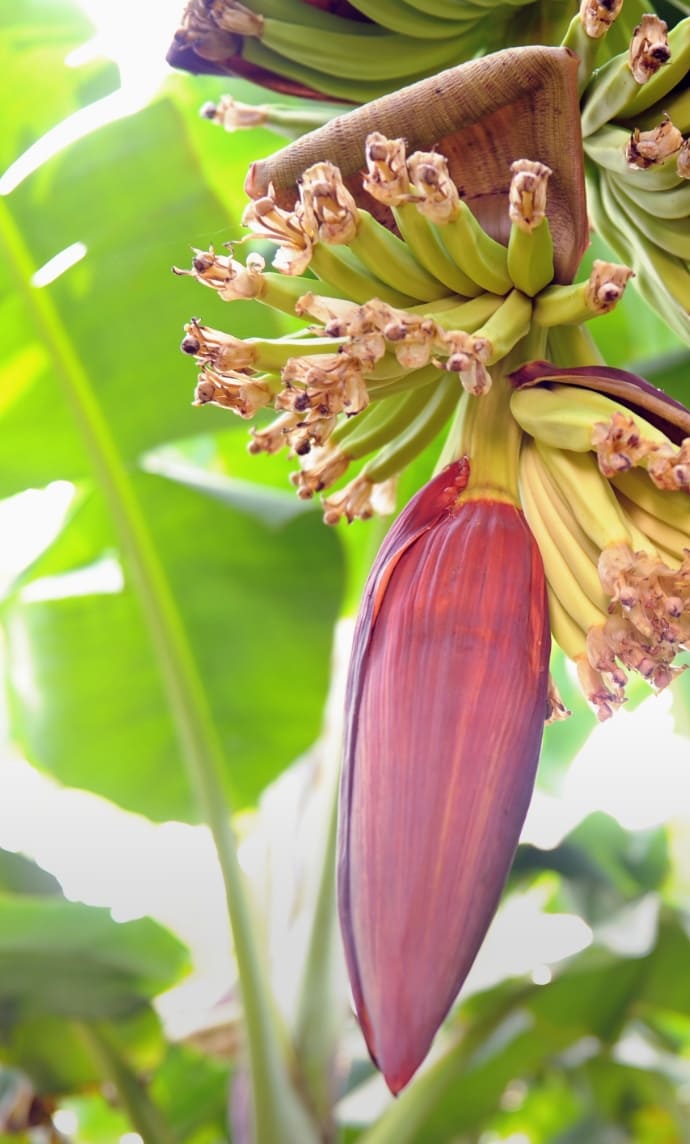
column 676, row 106
column 669, row 204
column 386, row 255
column 564, row 417
column 325, row 82
column 671, row 235
column 407, row 380
column 429, row 422
column 673, row 508
column 671, row 74
column 339, row 269
column 397, row 17
column 616, row 85
column 662, row 280
column 589, row 496
column 572, row 346
column 509, row 323
column 530, row 257
column 422, row 239
column 379, row 422
column 476, row 253
column 355, row 56
column 658, row 533
column 585, row 47
column 570, row 569
column 580, row 301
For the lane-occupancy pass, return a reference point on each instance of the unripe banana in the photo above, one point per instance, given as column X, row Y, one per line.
column 530, row 245
column 564, row 416
column 672, row 508
column 671, row 74
column 509, row 323
column 387, row 256
column 670, row 541
column 668, row 204
column 570, row 570
column 427, row 246
column 580, row 301
column 339, row 269
column 607, row 149
column 431, row 419
column 615, row 86
column 380, row 422
column 589, row 497
column 479, row 256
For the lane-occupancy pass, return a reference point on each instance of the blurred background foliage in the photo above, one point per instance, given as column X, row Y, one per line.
column 593, row 1047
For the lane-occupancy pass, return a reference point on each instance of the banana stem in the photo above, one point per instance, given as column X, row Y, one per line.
column 316, row 1025
column 486, row 432
column 279, row 1117
column 144, row 1115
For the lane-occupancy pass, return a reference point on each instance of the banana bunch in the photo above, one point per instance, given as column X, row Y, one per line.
column 295, row 46
column 636, row 122
column 605, row 492
column 403, row 328
column 415, row 334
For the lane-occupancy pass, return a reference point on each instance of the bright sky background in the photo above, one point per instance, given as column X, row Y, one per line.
column 633, row 767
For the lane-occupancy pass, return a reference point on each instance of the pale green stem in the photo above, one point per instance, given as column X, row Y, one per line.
column 278, row 1114
column 144, row 1115
column 315, row 1028
column 485, row 431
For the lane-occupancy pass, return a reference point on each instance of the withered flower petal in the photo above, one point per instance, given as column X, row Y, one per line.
column 447, row 697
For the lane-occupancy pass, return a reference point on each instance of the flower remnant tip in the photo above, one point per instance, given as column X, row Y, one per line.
column 527, row 197
column 360, row 500
column 646, row 148
column 329, row 210
column 233, row 115
column 606, row 284
column 386, row 179
column 235, row 391
column 467, row 356
column 437, row 195
column 683, row 160
column 230, row 279
column 598, row 15
column 285, row 228
column 649, row 48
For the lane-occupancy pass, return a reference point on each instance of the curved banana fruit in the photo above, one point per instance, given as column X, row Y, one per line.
column 558, row 418
column 431, row 419
column 479, row 256
column 669, row 204
column 530, row 245
column 570, row 566
column 379, row 422
column 616, row 86
column 672, row 73
column 607, row 149
column 338, row 268
column 671, row 235
column 658, row 534
column 673, row 508
column 589, row 496
column 427, row 246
